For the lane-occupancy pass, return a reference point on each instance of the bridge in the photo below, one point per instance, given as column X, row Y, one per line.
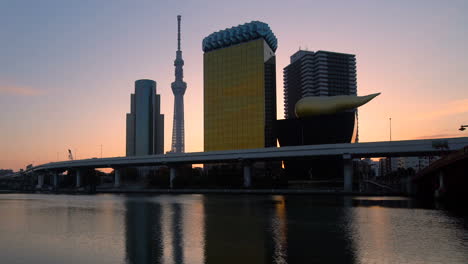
column 445, row 178
column 405, row 148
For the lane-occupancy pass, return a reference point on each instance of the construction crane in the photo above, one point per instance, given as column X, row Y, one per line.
column 70, row 155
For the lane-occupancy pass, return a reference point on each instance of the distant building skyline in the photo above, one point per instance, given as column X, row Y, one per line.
column 391, row 164
column 239, row 87
column 145, row 123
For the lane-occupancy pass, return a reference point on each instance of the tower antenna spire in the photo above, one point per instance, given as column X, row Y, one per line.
column 178, row 32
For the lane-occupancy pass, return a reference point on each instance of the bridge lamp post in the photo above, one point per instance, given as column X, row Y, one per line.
column 390, row 128
column 463, row 127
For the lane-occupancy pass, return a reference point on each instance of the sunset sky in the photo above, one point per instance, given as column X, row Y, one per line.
column 67, row 68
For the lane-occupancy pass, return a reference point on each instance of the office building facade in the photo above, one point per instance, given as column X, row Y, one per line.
column 145, row 123
column 320, row 73
column 240, row 87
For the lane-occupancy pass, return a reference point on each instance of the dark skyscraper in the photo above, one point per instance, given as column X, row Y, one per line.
column 145, row 123
column 320, row 73
column 178, row 88
column 239, row 87
column 317, row 74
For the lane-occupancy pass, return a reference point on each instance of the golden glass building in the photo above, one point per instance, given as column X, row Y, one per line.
column 240, row 88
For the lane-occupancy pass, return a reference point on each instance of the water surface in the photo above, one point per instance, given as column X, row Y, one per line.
column 227, row 229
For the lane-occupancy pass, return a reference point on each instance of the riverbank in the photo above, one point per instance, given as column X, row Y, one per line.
column 206, row 191
column 239, row 191
column 7, row 191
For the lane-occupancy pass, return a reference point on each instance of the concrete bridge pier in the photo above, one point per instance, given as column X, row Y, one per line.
column 117, row 175
column 440, row 191
column 247, row 175
column 172, row 176
column 79, row 175
column 347, row 173
column 40, row 181
column 441, row 180
column 55, row 179
column 408, row 186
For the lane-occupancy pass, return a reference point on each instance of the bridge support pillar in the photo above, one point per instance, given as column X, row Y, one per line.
column 55, row 179
column 441, row 190
column 347, row 173
column 79, row 175
column 117, row 175
column 247, row 175
column 172, row 176
column 441, row 180
column 409, row 186
column 40, row 181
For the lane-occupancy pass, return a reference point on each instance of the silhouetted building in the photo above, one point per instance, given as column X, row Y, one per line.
column 320, row 73
column 178, row 88
column 391, row 164
column 5, row 172
column 240, row 87
column 145, row 123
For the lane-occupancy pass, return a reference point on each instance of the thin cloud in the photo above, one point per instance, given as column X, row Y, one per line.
column 19, row 90
column 451, row 108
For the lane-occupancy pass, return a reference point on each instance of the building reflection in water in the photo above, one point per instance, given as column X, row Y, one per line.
column 177, row 233
column 317, row 230
column 279, row 229
column 143, row 232
column 166, row 225
column 236, row 229
column 165, row 230
column 226, row 229
column 193, row 223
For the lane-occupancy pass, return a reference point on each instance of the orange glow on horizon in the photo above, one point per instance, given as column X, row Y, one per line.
column 52, row 99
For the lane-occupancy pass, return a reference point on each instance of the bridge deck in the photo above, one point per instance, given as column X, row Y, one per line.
column 355, row 150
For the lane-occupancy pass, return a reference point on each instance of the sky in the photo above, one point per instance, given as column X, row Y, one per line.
column 67, row 68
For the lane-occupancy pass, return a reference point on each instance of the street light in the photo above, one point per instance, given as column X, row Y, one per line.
column 463, row 127
column 390, row 128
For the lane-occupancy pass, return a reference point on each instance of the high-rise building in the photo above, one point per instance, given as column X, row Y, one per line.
column 145, row 123
column 239, row 87
column 178, row 88
column 320, row 73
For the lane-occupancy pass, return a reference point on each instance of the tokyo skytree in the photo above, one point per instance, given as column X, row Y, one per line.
column 178, row 88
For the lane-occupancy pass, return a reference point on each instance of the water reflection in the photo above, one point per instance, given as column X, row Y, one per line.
column 142, row 232
column 194, row 230
column 384, row 230
column 177, row 241
column 249, row 231
column 244, row 229
column 279, row 224
column 317, row 230
column 164, row 230
column 44, row 229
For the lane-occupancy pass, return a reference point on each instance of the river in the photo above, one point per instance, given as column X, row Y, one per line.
column 41, row 228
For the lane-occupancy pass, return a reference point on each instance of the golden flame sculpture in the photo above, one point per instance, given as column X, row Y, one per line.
column 322, row 105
